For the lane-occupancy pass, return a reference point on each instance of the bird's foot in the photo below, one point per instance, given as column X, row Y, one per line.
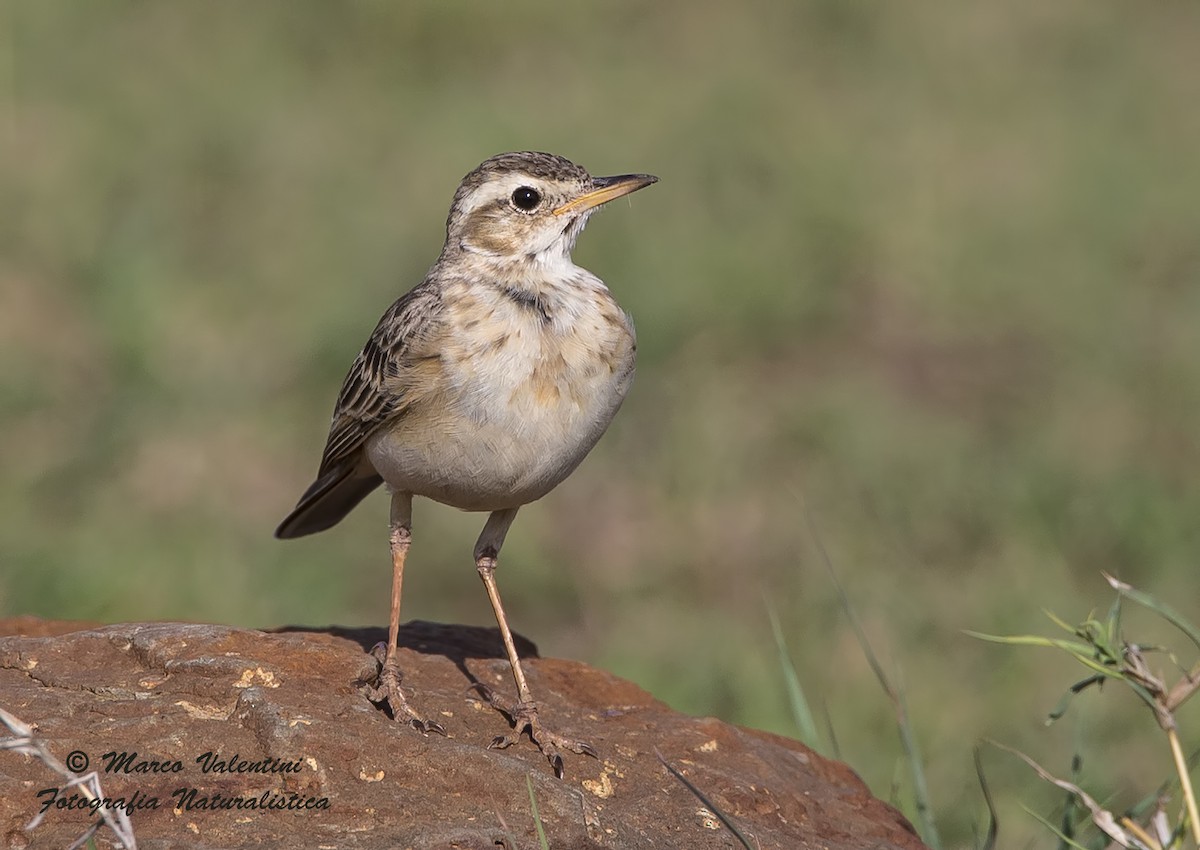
column 386, row 691
column 524, row 716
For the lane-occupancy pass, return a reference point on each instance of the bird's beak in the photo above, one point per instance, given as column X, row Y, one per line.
column 606, row 189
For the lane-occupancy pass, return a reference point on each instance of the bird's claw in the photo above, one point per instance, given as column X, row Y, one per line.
column 525, row 720
column 386, row 691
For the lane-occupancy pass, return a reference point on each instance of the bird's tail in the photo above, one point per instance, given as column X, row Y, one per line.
column 327, row 501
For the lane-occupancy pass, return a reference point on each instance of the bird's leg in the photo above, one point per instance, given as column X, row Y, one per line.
column 387, row 687
column 524, row 713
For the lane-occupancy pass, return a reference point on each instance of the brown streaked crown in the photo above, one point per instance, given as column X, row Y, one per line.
column 545, row 166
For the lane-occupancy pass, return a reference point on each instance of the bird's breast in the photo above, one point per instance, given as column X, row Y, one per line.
column 526, row 388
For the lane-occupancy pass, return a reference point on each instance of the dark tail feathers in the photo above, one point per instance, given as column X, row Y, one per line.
column 326, row 502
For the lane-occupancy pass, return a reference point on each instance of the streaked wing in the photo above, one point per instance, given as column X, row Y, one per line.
column 374, row 392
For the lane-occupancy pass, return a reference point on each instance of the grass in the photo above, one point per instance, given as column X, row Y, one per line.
column 933, row 266
column 543, row 842
column 708, row 804
column 1105, row 651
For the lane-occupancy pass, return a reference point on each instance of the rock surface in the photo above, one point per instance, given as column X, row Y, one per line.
column 286, row 702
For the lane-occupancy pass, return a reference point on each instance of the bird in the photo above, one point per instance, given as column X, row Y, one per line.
column 483, row 387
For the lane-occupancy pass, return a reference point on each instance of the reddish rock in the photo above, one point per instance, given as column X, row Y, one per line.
column 282, row 714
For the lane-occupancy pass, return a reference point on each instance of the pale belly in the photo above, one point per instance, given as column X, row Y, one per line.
column 509, row 422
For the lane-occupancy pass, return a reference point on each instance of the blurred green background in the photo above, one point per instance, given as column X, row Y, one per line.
column 926, row 274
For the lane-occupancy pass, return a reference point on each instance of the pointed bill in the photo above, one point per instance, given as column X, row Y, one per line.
column 606, row 189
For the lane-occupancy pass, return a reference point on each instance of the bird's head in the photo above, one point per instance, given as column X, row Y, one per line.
column 529, row 207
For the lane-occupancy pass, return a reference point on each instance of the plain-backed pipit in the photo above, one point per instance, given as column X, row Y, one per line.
column 484, row 386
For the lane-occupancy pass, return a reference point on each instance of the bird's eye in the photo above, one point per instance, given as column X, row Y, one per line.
column 526, row 198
